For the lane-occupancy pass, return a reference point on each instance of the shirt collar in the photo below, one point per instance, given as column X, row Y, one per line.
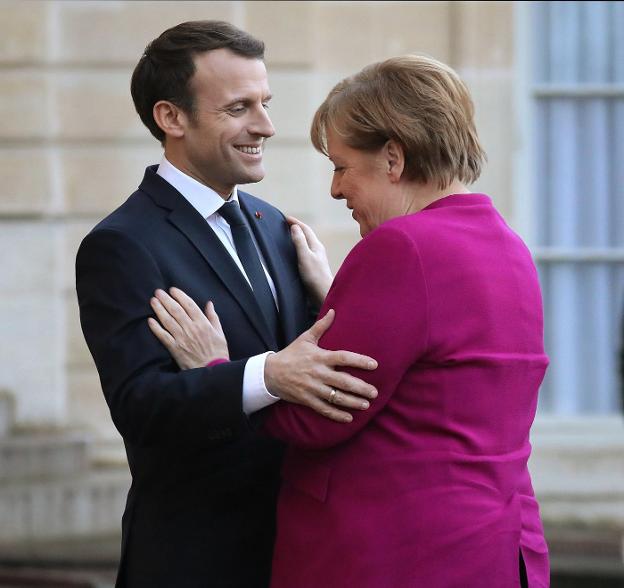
column 203, row 199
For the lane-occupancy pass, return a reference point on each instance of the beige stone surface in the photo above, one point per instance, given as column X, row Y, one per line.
column 291, row 181
column 294, row 103
column 80, row 112
column 344, row 35
column 30, row 259
column 412, row 27
column 117, row 32
column 26, row 179
column 86, row 406
column 578, row 471
column 32, row 317
column 483, row 34
column 285, row 27
column 32, row 355
column 95, row 104
column 25, row 105
column 31, row 345
column 67, row 120
column 97, row 179
column 296, row 96
column 350, row 35
column 492, row 95
column 338, row 242
column 77, row 354
column 64, row 518
column 23, row 31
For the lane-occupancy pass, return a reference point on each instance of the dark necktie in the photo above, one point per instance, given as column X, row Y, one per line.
column 250, row 259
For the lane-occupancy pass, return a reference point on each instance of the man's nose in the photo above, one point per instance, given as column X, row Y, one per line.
column 262, row 124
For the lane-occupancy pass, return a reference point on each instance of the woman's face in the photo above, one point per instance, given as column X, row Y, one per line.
column 360, row 178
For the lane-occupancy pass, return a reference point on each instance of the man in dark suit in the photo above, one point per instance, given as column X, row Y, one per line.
column 201, row 508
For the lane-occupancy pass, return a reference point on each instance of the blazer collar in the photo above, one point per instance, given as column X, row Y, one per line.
column 187, row 220
column 203, row 198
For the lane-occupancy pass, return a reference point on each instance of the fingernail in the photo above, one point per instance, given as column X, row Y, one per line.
column 373, row 394
column 365, row 405
column 348, row 419
column 372, row 365
column 159, row 292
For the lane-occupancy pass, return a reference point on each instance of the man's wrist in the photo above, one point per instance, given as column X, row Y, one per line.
column 255, row 393
column 268, row 358
column 269, row 375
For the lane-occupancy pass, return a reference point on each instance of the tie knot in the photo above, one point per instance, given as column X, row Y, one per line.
column 232, row 213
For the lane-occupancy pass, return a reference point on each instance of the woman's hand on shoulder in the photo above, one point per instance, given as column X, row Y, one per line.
column 312, row 259
column 192, row 337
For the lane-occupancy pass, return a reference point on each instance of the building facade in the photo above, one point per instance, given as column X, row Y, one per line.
column 547, row 79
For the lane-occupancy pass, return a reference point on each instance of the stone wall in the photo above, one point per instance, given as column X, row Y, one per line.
column 66, row 119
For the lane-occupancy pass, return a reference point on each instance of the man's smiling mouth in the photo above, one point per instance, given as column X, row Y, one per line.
column 249, row 149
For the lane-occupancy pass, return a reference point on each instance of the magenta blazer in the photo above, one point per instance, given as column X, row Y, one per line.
column 429, row 488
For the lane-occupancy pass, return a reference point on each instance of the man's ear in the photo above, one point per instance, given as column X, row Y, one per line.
column 171, row 119
column 394, row 158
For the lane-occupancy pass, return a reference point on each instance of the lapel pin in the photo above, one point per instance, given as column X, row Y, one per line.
column 258, row 214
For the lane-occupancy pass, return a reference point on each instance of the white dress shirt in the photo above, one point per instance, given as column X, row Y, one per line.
column 207, row 202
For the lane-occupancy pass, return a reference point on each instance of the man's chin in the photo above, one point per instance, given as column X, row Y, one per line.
column 252, row 177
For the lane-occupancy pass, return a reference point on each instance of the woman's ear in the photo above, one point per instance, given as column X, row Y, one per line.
column 394, row 157
column 171, row 119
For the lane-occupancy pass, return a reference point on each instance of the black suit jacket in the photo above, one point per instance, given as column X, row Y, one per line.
column 201, row 508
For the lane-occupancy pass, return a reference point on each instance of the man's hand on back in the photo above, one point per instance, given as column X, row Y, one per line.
column 303, row 373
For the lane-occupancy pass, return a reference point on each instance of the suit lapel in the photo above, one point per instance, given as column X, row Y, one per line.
column 187, row 220
column 275, row 263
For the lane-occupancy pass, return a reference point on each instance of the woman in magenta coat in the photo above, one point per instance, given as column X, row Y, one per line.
column 429, row 487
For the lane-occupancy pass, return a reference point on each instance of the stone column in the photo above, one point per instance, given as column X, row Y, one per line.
column 32, row 314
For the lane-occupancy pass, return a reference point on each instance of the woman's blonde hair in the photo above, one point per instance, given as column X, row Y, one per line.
column 419, row 102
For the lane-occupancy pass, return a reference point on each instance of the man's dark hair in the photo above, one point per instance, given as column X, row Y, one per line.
column 166, row 67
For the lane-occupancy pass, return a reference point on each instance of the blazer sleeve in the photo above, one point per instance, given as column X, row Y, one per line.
column 380, row 299
column 151, row 401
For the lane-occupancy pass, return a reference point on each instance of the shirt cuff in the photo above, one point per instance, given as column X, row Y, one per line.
column 255, row 393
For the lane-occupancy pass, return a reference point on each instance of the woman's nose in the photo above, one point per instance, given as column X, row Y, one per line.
column 335, row 189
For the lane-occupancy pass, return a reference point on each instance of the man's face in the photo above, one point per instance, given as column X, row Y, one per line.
column 223, row 142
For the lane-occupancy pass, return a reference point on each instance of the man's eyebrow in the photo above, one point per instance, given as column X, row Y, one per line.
column 246, row 100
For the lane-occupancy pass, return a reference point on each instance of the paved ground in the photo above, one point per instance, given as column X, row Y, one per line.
column 579, row 559
column 51, row 577
column 36, row 577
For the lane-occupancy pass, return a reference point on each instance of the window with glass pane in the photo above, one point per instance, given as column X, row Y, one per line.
column 578, row 93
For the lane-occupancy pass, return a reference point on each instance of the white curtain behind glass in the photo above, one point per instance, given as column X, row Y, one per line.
column 578, row 86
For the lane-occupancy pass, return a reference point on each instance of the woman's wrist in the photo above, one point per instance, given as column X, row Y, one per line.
column 217, row 361
column 320, row 289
